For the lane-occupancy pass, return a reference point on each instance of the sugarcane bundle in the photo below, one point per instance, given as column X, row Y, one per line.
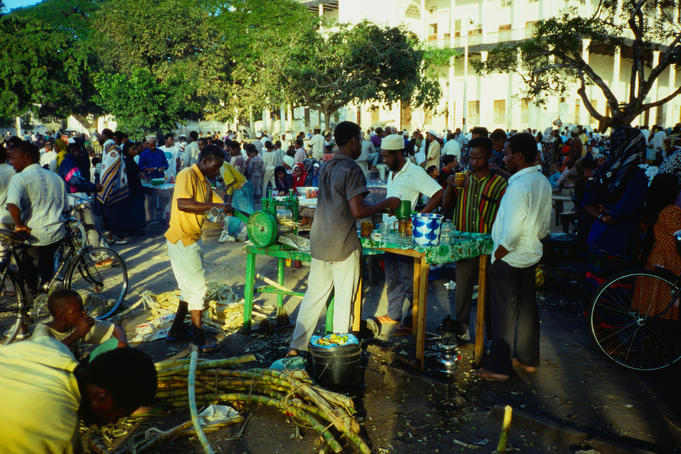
column 224, row 311
column 291, row 392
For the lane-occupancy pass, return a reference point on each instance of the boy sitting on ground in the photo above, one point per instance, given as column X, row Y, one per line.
column 72, row 326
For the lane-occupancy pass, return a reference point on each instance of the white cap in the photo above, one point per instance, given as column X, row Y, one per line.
column 392, row 142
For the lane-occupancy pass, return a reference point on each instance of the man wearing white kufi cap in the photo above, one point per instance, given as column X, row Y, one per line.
column 406, row 181
column 432, row 149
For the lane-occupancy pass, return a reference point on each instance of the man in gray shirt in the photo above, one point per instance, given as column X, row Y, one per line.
column 36, row 200
column 335, row 247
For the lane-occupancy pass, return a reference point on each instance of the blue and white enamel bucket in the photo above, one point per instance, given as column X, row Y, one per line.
column 425, row 228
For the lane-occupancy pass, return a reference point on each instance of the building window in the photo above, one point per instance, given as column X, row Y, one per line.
column 505, row 3
column 457, row 28
column 500, row 111
column 505, row 32
column 594, row 103
column 475, row 34
column 529, row 29
column 578, row 109
column 432, row 32
column 412, row 12
column 473, row 113
column 525, row 110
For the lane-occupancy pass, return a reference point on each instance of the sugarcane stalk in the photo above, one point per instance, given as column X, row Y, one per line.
column 182, row 366
column 505, row 427
column 328, row 437
column 207, row 448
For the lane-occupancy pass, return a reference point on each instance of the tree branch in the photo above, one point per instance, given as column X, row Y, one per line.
column 579, row 64
column 587, row 102
column 663, row 100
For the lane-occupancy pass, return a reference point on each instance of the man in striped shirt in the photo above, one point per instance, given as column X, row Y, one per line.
column 475, row 203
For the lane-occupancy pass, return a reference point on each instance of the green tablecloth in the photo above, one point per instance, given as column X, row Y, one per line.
column 464, row 245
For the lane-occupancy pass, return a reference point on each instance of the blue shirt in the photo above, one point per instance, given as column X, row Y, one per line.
column 150, row 159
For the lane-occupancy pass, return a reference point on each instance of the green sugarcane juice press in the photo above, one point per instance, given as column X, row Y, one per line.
column 262, row 226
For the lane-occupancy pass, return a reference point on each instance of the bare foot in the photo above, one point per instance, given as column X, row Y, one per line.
column 489, row 375
column 526, row 368
column 386, row 319
column 291, row 353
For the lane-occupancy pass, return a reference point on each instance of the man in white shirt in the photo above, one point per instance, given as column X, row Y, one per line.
column 48, row 157
column 317, row 144
column 36, row 200
column 521, row 223
column 406, row 181
column 191, row 150
column 658, row 139
column 174, row 156
column 6, row 174
column 300, row 155
column 452, row 147
column 270, row 160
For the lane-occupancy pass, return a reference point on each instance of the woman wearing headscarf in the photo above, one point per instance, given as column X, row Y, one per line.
column 547, row 147
column 616, row 201
column 114, row 194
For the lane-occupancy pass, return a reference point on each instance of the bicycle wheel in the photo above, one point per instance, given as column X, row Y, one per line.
column 77, row 234
column 13, row 303
column 633, row 323
column 100, row 277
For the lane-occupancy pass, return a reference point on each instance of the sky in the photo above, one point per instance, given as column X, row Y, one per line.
column 10, row 4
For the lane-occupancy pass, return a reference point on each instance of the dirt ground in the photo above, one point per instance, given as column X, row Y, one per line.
column 576, row 400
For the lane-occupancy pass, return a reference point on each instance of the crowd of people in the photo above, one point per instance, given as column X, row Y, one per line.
column 625, row 186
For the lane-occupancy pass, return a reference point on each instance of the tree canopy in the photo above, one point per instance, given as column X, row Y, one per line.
column 328, row 70
column 552, row 59
column 153, row 63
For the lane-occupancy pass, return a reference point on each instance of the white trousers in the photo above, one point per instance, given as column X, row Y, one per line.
column 341, row 277
column 187, row 264
column 268, row 178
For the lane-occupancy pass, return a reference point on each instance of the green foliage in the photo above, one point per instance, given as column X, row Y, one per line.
column 140, row 102
column 41, row 69
column 551, row 61
column 72, row 16
column 327, row 71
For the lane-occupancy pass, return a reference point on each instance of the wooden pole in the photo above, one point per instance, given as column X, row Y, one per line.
column 423, row 305
column 357, row 308
column 480, row 320
column 416, row 299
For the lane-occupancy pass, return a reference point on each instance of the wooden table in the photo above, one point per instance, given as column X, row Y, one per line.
column 420, row 285
column 420, row 299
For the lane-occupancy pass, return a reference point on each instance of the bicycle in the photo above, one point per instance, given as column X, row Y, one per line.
column 98, row 274
column 76, row 222
column 634, row 318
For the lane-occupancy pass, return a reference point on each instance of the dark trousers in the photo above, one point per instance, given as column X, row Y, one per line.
column 514, row 315
column 460, row 308
column 399, row 281
column 37, row 265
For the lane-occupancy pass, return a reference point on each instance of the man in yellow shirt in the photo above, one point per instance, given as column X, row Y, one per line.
column 192, row 197
column 43, row 392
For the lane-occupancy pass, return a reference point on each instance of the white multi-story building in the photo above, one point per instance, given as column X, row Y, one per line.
column 473, row 27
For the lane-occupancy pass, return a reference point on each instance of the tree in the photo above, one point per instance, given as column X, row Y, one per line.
column 70, row 19
column 255, row 34
column 140, row 103
column 551, row 61
column 176, row 45
column 329, row 70
column 41, row 69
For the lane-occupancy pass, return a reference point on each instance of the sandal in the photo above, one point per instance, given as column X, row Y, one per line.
column 208, row 348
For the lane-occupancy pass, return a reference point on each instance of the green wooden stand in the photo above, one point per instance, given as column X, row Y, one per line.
column 281, row 252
